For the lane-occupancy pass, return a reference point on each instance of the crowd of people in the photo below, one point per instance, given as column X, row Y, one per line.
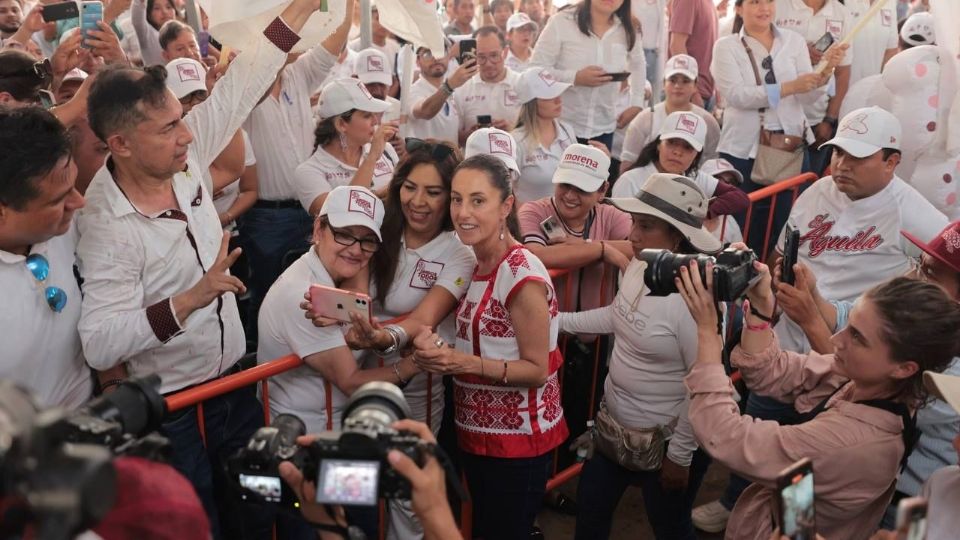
column 172, row 206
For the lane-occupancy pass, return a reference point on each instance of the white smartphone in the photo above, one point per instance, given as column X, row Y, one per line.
column 338, row 304
column 552, row 228
column 912, row 518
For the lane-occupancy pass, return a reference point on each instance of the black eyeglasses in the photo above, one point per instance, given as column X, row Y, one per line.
column 767, row 64
column 344, row 238
column 438, row 151
column 42, row 70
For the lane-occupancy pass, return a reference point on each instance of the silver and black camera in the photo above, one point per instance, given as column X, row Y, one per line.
column 349, row 466
column 733, row 271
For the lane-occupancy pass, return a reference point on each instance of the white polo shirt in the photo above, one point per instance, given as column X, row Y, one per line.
column 284, row 330
column 444, row 126
column 281, row 129
column 537, row 164
column 323, row 172
column 833, row 17
column 443, row 262
column 498, row 99
column 853, row 245
column 878, row 35
column 41, row 348
column 630, row 182
column 515, row 63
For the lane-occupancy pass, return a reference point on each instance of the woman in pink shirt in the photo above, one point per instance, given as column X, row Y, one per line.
column 856, row 436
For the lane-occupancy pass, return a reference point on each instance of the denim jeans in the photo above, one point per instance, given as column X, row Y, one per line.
column 603, row 482
column 506, row 493
column 267, row 234
column 229, row 421
column 763, row 408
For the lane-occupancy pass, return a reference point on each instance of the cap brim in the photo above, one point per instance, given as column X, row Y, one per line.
column 943, row 387
column 342, row 220
column 519, row 26
column 583, row 182
column 857, row 149
column 685, row 72
column 700, row 238
column 555, row 90
column 697, row 145
column 374, row 106
column 379, row 78
column 928, row 250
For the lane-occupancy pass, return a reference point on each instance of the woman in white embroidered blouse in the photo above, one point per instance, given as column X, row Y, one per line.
column 779, row 58
column 508, row 412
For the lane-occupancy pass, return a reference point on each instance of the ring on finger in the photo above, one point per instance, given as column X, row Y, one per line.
column 439, row 343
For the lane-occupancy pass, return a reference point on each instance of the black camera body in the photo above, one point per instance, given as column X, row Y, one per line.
column 349, row 466
column 733, row 271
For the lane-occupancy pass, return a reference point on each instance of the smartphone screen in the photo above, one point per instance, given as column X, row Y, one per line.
column 90, row 14
column 468, row 50
column 352, row 482
column 268, row 487
column 797, row 514
column 791, row 250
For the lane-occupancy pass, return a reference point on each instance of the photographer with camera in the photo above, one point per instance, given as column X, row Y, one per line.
column 858, row 404
column 428, row 493
column 654, row 349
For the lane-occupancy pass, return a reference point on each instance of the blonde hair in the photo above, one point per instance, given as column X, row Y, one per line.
column 529, row 120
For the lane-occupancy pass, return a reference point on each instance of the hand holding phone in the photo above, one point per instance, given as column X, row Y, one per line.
column 91, row 13
column 468, row 50
column 791, row 250
column 619, row 76
column 338, row 304
column 60, row 12
column 824, row 43
column 795, row 498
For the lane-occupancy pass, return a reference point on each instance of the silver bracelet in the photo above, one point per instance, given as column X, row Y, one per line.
column 396, row 371
column 398, row 338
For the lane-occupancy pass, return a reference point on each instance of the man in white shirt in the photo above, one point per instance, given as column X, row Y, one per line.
column 877, row 42
column 382, row 40
column 41, row 347
column 281, row 131
column 154, row 257
column 461, row 20
column 11, row 17
column 813, row 19
column 434, row 112
column 492, row 91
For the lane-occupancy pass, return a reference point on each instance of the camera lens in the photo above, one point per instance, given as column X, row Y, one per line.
column 374, row 407
column 663, row 267
column 136, row 405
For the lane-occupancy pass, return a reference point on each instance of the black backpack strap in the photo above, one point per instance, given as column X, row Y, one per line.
column 910, row 433
column 813, row 413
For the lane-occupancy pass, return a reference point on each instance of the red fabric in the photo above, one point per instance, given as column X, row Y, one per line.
column 162, row 321
column 154, row 502
column 727, row 200
column 281, row 35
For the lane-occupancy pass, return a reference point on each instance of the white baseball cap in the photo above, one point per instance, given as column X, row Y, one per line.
column 687, row 126
column 683, row 64
column 538, row 83
column 372, row 66
column 866, row 131
column 518, row 20
column 75, row 74
column 342, row 95
column 494, row 142
column 583, row 166
column 186, row 76
column 715, row 166
column 918, row 29
column 346, row 206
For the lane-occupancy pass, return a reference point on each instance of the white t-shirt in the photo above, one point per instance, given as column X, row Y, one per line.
column 853, row 245
column 498, row 99
column 630, row 182
column 284, row 330
column 443, row 262
column 41, row 348
column 323, row 172
column 878, row 35
column 725, row 229
column 444, row 126
column 515, row 63
column 537, row 164
column 833, row 17
column 228, row 195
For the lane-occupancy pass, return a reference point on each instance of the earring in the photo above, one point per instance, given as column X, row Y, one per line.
column 343, row 141
column 501, row 231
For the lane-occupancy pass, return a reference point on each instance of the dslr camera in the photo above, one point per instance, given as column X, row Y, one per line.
column 349, row 466
column 733, row 271
column 56, row 466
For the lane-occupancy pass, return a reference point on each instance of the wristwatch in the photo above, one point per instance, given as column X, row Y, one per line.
column 446, row 88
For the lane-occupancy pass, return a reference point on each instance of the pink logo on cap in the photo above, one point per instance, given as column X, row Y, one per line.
column 688, row 123
column 362, row 202
column 374, row 63
column 680, row 62
column 188, row 72
column 857, row 124
column 500, row 144
column 581, row 160
column 547, row 77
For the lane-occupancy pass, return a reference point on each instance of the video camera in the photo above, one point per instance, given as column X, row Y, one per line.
column 56, row 468
column 350, row 466
column 733, row 271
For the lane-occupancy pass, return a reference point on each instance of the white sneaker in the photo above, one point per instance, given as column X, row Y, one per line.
column 711, row 517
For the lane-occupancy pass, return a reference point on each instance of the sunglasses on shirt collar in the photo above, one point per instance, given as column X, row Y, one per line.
column 39, row 266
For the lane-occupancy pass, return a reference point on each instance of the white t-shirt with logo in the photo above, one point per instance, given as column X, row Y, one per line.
column 443, row 262
column 630, row 182
column 853, row 245
column 833, row 17
column 499, row 99
column 537, row 164
column 323, row 172
column 444, row 126
column 284, row 330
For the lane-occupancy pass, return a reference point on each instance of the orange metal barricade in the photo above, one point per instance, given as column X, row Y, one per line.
column 772, row 192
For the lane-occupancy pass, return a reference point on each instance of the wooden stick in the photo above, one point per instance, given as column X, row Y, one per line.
column 873, row 11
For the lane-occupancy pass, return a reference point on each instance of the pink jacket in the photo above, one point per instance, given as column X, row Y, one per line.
column 855, row 449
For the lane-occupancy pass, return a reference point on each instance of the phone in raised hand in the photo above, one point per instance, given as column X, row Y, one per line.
column 91, row 13
column 338, row 304
column 791, row 250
